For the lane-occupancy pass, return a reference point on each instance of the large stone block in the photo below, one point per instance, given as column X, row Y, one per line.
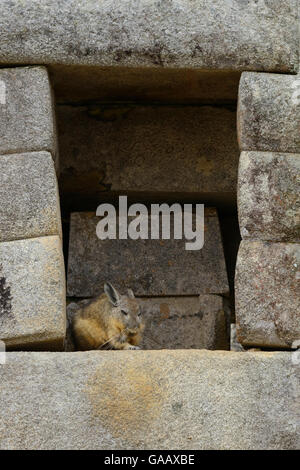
column 27, row 120
column 132, row 148
column 269, row 112
column 150, row 400
column 185, row 323
column 133, row 33
column 32, row 288
column 149, row 267
column 176, row 322
column 267, row 294
column 269, row 196
column 29, row 196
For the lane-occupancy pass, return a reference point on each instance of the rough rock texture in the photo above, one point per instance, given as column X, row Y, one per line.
column 269, row 112
column 149, row 267
column 234, row 344
column 29, row 196
column 185, row 322
column 32, row 294
column 267, row 294
column 149, row 400
column 132, row 148
column 254, row 35
column 27, row 116
column 269, row 196
column 177, row 322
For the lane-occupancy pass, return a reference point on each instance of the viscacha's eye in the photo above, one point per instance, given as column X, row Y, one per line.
column 124, row 313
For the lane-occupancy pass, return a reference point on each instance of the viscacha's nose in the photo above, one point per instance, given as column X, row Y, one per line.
column 132, row 331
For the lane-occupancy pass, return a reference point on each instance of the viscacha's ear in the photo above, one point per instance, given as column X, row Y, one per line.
column 130, row 293
column 112, row 294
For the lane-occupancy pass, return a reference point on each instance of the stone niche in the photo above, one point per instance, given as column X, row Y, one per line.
column 152, row 137
column 148, row 152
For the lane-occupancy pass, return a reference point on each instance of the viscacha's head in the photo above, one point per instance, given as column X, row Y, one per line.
column 126, row 309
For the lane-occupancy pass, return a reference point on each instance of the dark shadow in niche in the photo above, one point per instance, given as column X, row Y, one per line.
column 5, row 297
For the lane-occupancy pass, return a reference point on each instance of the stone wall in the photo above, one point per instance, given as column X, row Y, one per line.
column 32, row 280
column 268, row 266
column 170, row 269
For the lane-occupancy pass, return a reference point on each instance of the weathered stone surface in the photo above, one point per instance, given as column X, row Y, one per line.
column 255, row 35
column 267, row 294
column 234, row 344
column 29, row 196
column 149, row 267
column 177, row 322
column 269, row 196
column 132, row 148
column 26, row 112
column 185, row 322
column 32, row 288
column 149, row 400
column 269, row 112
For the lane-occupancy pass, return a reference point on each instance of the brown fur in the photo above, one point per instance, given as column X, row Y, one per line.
column 102, row 324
